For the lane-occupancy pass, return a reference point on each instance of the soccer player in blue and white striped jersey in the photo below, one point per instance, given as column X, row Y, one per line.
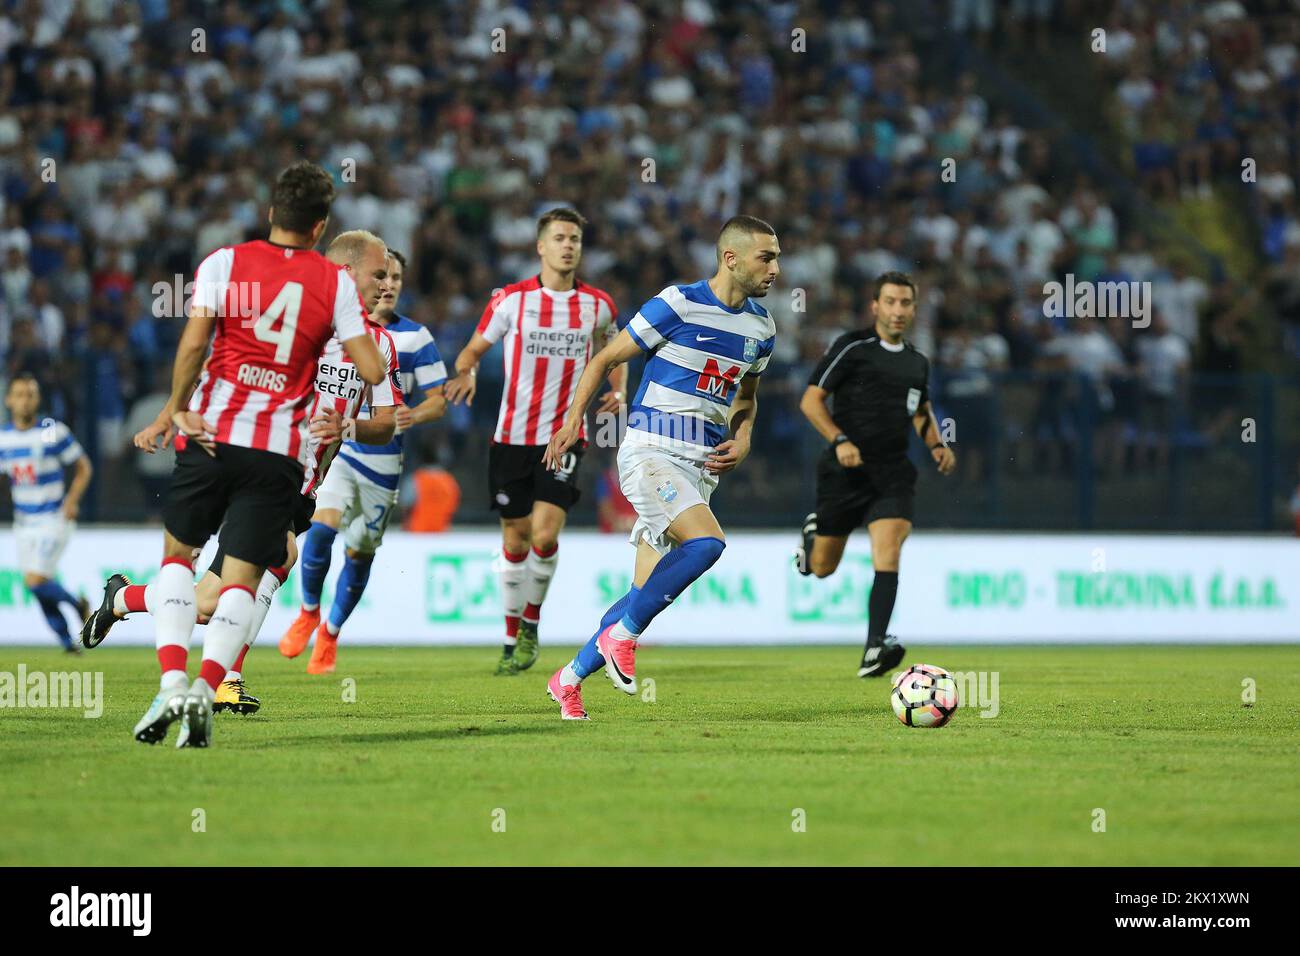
column 691, row 421
column 359, row 493
column 34, row 454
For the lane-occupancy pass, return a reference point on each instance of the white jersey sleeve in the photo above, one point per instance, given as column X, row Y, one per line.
column 495, row 322
column 348, row 320
column 212, row 279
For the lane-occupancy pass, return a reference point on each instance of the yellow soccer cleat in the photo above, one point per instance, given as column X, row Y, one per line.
column 233, row 696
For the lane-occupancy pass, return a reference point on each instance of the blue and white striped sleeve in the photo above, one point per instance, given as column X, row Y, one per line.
column 656, row 321
column 65, row 446
column 429, row 368
column 764, row 356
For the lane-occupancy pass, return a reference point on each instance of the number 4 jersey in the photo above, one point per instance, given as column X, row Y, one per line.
column 277, row 308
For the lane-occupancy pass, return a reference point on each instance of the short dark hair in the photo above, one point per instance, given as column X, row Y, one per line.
column 301, row 197
column 399, row 257
column 891, row 278
column 738, row 226
column 22, row 377
column 560, row 214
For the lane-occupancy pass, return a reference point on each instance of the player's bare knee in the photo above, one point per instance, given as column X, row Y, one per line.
column 824, row 567
column 33, row 581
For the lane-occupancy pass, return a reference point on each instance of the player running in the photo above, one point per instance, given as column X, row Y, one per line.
column 547, row 325
column 246, row 431
column 360, row 491
column 881, row 386
column 691, row 421
column 33, row 454
column 340, row 393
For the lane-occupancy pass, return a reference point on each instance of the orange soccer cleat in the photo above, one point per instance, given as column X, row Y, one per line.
column 322, row 655
column 295, row 639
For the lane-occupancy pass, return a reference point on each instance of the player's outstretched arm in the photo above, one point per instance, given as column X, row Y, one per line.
column 465, row 384
column 621, row 350
column 365, row 355
column 730, row 453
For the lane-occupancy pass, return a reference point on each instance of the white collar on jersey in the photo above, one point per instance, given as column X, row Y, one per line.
column 891, row 348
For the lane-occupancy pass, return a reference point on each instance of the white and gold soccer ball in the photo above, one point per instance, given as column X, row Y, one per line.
column 924, row 696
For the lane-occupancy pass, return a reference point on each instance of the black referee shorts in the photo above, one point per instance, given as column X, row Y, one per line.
column 517, row 478
column 848, row 498
column 248, row 493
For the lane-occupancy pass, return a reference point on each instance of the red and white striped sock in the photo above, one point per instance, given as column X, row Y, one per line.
column 226, row 633
column 512, row 571
column 541, row 568
column 173, row 593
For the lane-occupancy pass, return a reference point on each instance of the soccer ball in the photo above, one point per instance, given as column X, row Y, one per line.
column 924, row 696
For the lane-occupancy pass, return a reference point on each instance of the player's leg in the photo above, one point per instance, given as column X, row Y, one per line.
column 40, row 545
column 539, row 568
column 365, row 523
column 195, row 508
column 842, row 499
column 511, row 489
column 883, row 653
column 264, row 491
column 332, row 499
column 698, row 544
column 555, row 492
column 565, row 686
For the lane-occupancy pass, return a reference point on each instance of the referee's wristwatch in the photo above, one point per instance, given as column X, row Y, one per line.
column 839, row 439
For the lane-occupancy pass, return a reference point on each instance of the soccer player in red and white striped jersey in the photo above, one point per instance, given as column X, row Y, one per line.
column 549, row 326
column 267, row 308
column 340, row 393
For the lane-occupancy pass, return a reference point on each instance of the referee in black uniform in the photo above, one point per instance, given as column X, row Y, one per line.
column 880, row 384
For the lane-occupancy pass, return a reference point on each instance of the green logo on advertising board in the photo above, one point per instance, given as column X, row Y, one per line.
column 839, row 599
column 727, row 589
column 461, row 588
column 12, row 590
column 1123, row 589
column 980, row 589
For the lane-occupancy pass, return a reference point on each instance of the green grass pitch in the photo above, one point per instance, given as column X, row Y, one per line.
column 439, row 762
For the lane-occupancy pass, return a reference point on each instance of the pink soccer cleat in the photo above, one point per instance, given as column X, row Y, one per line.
column 620, row 660
column 568, row 696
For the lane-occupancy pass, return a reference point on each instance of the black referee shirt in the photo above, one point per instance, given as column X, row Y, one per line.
column 875, row 389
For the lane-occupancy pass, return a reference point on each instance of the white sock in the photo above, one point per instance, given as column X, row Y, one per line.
column 266, row 589
column 201, row 687
column 330, row 628
column 512, row 574
column 537, row 580
column 173, row 682
column 568, row 677
column 175, row 609
column 229, row 626
column 233, row 675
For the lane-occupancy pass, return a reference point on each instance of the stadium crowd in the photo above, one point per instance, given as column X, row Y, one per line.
column 135, row 137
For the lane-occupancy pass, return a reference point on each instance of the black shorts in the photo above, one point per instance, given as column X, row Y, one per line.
column 251, row 492
column 848, row 498
column 517, row 478
column 303, row 510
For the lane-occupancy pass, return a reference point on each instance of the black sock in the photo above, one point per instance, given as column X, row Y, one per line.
column 880, row 606
column 508, row 650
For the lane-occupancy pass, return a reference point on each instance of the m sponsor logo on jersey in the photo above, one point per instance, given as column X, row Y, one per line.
column 913, row 400
column 714, row 381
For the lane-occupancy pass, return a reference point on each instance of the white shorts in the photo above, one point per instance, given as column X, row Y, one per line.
column 41, row 542
column 367, row 508
column 660, row 485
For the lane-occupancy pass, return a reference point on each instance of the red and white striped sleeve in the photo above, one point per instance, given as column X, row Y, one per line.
column 496, row 321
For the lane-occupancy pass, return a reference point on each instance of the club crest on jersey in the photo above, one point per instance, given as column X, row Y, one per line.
column 666, row 491
column 587, row 312
column 751, row 349
column 913, row 400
